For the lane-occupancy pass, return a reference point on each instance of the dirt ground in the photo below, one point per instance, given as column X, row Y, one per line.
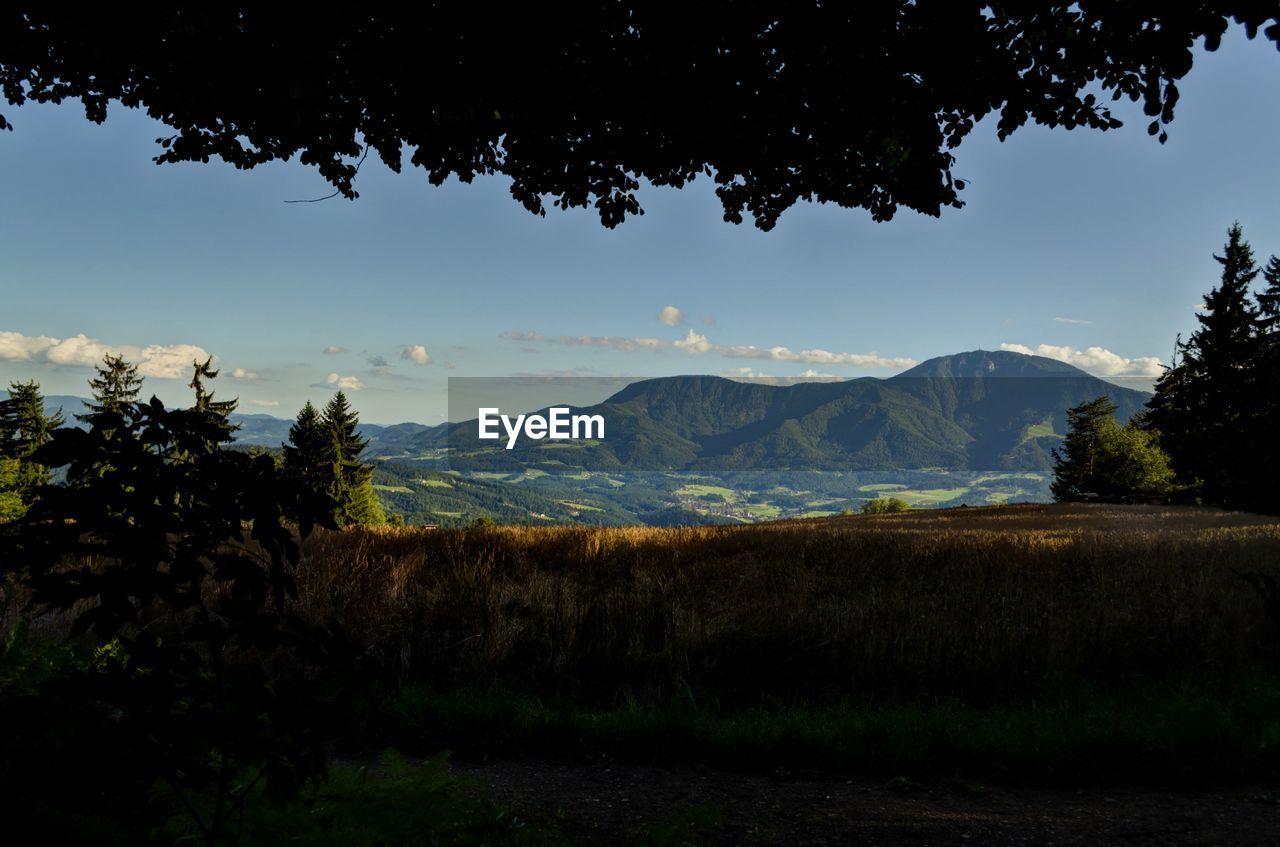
column 605, row 802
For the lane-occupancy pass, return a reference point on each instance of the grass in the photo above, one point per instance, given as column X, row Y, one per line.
column 699, row 490
column 965, row 602
column 1070, row 732
column 386, row 802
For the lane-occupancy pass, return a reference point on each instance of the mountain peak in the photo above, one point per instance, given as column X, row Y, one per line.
column 990, row 363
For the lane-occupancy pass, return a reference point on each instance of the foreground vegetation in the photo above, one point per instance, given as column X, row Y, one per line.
column 972, row 602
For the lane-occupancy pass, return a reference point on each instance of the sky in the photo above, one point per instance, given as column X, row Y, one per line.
column 1094, row 248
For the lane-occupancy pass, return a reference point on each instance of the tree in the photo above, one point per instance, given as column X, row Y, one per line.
column 1103, row 460
column 859, row 104
column 116, row 385
column 24, row 428
column 170, row 554
column 222, row 409
column 11, row 503
column 1205, row 403
column 885, row 506
column 1075, row 464
column 308, row 463
column 1130, row 464
column 1269, row 301
column 350, row 481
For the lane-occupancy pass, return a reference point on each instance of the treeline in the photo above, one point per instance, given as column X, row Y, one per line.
column 322, row 456
column 1209, row 433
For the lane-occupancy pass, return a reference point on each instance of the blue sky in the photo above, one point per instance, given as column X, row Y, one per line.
column 1097, row 245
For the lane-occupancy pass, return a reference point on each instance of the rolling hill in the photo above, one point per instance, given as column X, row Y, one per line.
column 972, row 411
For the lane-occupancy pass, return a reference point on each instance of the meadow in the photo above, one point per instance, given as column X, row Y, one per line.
column 962, row 600
column 1080, row 641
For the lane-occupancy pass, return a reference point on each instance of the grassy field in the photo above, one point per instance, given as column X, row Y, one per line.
column 975, row 635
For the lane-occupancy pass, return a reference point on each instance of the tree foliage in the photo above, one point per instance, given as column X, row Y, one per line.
column 1075, row 464
column 1215, row 406
column 116, row 385
column 885, row 506
column 24, row 428
column 1106, row 461
column 323, row 459
column 173, row 558
column 859, row 104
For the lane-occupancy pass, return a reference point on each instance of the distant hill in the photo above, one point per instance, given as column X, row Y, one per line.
column 979, row 410
column 972, row 411
column 256, row 429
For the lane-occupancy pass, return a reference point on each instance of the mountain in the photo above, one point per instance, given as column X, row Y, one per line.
column 972, row 411
column 981, row 410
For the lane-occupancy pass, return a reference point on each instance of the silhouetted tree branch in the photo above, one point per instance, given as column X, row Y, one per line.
column 858, row 104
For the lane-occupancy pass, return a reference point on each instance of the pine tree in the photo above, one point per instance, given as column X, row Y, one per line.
column 1269, row 300
column 1264, row 386
column 306, row 457
column 24, row 427
column 1204, row 404
column 204, row 398
column 116, row 385
column 1075, row 465
column 350, row 481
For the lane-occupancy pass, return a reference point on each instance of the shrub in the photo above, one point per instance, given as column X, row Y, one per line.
column 884, row 506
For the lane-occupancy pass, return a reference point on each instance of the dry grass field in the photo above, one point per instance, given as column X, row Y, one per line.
column 976, row 602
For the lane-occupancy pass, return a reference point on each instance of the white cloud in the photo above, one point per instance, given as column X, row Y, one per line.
column 415, row 353
column 344, row 383
column 815, row 357
column 333, row 350
column 625, row 344
column 671, row 316
column 241, row 373
column 695, row 343
column 1096, row 360
column 267, row 403
column 1072, row 321
column 163, row 361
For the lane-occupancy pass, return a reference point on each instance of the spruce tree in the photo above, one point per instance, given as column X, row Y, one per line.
column 24, row 427
column 1075, row 465
column 1269, row 301
column 116, row 385
column 1204, row 404
column 204, row 398
column 307, row 459
column 350, row 481
column 1265, row 389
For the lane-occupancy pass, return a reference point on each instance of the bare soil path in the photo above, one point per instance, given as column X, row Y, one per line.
column 607, row 802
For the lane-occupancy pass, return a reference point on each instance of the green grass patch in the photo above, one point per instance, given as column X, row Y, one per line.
column 1172, row 732
column 699, row 490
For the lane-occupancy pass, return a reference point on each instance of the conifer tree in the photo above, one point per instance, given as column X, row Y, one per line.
column 11, row 505
column 1204, row 403
column 1269, row 301
column 116, row 385
column 1074, row 466
column 350, row 481
column 204, row 398
column 24, row 427
column 306, row 457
